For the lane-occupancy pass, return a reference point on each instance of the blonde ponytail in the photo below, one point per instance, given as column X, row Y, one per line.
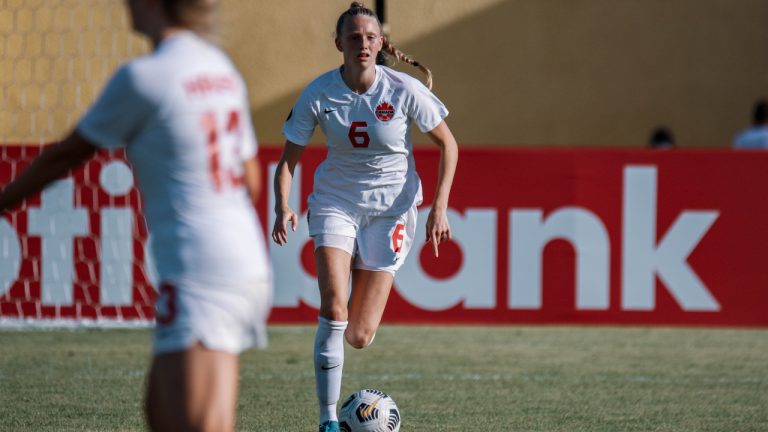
column 401, row 56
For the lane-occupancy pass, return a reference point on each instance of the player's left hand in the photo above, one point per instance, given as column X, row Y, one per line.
column 438, row 228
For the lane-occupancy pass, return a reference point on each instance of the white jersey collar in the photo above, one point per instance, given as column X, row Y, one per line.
column 176, row 38
column 371, row 90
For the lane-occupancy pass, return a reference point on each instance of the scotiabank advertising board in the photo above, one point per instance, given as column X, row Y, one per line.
column 549, row 236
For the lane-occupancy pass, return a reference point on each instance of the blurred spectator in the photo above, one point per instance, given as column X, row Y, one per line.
column 661, row 138
column 755, row 137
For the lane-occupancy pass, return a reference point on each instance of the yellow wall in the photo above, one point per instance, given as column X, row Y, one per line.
column 55, row 56
column 515, row 72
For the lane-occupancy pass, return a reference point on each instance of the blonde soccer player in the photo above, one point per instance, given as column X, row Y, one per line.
column 362, row 210
column 182, row 114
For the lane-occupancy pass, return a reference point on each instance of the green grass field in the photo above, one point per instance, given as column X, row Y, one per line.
column 443, row 379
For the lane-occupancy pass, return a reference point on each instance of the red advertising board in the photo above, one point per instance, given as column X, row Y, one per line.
column 549, row 236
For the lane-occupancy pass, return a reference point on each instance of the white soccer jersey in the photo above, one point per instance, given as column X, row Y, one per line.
column 182, row 114
column 369, row 168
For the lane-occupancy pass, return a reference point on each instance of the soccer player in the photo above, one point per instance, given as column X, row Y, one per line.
column 362, row 211
column 182, row 114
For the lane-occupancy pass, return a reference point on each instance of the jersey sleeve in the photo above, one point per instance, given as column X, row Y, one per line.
column 426, row 110
column 117, row 114
column 302, row 120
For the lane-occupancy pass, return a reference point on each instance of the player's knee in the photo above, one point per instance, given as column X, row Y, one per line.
column 334, row 312
column 359, row 338
column 357, row 341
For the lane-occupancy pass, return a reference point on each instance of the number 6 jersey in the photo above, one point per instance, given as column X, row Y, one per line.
column 369, row 168
column 182, row 114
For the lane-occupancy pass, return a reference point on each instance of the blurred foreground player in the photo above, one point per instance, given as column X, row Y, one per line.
column 182, row 114
column 363, row 208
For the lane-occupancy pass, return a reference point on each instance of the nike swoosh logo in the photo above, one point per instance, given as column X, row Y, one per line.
column 367, row 412
column 330, row 367
column 329, row 110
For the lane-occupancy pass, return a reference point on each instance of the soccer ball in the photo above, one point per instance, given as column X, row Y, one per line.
column 369, row 410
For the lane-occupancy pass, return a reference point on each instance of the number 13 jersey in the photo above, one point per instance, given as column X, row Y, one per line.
column 182, row 114
column 369, row 168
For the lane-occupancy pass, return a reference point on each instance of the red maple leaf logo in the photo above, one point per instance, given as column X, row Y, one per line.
column 385, row 111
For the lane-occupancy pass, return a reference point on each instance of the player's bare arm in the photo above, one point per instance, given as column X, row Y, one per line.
column 283, row 179
column 252, row 176
column 438, row 229
column 54, row 162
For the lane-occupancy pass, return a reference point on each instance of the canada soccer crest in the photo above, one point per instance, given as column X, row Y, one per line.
column 385, row 111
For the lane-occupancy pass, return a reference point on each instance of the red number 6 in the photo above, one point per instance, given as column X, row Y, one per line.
column 355, row 135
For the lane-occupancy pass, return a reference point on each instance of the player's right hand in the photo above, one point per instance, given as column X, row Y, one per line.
column 280, row 231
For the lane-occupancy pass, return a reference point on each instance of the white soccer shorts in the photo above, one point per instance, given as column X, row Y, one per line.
column 221, row 320
column 377, row 243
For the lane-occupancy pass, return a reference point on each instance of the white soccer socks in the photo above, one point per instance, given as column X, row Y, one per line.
column 329, row 362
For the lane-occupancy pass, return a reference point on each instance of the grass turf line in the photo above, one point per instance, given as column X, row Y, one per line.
column 442, row 378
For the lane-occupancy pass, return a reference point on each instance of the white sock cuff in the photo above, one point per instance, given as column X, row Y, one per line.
column 331, row 324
